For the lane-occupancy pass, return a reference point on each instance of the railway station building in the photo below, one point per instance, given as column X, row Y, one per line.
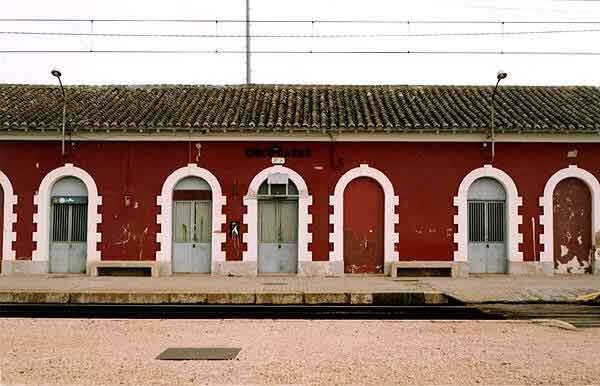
column 300, row 180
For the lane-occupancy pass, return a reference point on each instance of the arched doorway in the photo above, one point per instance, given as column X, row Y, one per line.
column 363, row 226
column 68, row 226
column 1, row 227
column 487, row 226
column 572, row 212
column 192, row 226
column 277, row 225
column 165, row 201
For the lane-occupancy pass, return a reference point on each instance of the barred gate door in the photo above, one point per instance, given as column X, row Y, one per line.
column 68, row 245
column 487, row 227
column 192, row 225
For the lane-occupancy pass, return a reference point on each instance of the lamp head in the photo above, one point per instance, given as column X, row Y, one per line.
column 56, row 73
column 501, row 75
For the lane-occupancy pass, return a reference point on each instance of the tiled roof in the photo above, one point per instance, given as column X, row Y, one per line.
column 302, row 109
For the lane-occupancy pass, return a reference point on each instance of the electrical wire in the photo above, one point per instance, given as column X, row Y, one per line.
column 342, row 21
column 302, row 52
column 311, row 35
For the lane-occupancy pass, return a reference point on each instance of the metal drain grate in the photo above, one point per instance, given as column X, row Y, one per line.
column 199, row 354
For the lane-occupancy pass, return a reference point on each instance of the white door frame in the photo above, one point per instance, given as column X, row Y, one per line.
column 250, row 219
column 546, row 202
column 165, row 218
column 42, row 218
column 10, row 218
column 513, row 202
column 391, row 219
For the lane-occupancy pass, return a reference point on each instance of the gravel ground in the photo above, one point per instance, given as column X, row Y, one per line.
column 98, row 352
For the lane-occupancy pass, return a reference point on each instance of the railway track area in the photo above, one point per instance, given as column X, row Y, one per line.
column 581, row 316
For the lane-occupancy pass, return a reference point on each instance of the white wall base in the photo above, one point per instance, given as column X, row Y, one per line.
column 460, row 269
column 536, row 268
column 321, row 268
column 28, row 267
column 234, row 268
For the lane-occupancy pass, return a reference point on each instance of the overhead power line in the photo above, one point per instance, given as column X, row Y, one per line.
column 350, row 21
column 310, row 35
column 302, row 52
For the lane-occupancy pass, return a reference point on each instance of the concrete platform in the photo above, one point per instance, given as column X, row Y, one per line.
column 480, row 289
column 200, row 289
column 349, row 290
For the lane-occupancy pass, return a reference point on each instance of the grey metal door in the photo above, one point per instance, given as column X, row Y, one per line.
column 487, row 234
column 277, row 235
column 192, row 235
column 68, row 246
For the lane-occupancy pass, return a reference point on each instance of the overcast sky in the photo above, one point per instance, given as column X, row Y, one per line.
column 229, row 68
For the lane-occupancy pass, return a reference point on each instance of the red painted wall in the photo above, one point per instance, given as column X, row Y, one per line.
column 426, row 176
column 1, row 223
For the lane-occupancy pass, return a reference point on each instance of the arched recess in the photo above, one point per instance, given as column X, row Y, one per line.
column 250, row 219
column 42, row 218
column 390, row 217
column 513, row 202
column 10, row 218
column 165, row 218
column 546, row 202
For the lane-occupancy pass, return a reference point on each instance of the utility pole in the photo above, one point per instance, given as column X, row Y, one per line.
column 248, row 58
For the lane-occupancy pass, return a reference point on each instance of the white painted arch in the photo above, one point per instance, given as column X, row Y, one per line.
column 251, row 216
column 10, row 218
column 513, row 202
column 391, row 219
column 547, row 218
column 42, row 218
column 165, row 218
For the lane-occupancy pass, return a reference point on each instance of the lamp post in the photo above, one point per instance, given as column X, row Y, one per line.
column 58, row 74
column 501, row 75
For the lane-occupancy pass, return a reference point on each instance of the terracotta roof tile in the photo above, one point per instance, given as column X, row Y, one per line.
column 302, row 109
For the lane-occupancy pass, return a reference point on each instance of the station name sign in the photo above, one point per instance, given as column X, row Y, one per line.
column 69, row 200
column 279, row 152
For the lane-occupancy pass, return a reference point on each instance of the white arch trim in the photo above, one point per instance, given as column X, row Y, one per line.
column 165, row 218
column 390, row 217
column 513, row 202
column 10, row 218
column 251, row 216
column 42, row 218
column 547, row 218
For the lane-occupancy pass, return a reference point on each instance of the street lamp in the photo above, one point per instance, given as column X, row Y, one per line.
column 58, row 74
column 501, row 75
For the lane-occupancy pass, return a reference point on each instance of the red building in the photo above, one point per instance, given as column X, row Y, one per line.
column 308, row 180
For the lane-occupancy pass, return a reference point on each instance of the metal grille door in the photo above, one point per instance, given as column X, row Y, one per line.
column 192, row 231
column 277, row 236
column 487, row 236
column 68, row 245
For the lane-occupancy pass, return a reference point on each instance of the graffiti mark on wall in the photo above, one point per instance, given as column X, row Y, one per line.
column 128, row 237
